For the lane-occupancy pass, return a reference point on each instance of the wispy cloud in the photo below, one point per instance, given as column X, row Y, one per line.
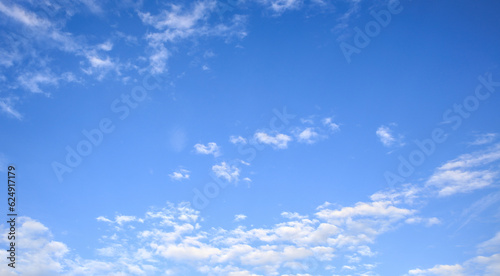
column 7, row 106
column 239, row 217
column 388, row 137
column 179, row 23
column 280, row 6
column 483, row 139
column 328, row 122
column 237, row 140
column 467, row 172
column 479, row 265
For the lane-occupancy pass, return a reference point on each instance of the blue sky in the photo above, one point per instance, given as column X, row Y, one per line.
column 252, row 137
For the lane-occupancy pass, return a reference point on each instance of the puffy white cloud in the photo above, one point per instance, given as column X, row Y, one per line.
column 171, row 238
column 279, row 141
column 210, row 148
column 180, row 174
column 308, row 136
column 226, row 171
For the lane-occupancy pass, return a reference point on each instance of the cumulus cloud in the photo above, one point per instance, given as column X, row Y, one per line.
column 210, row 148
column 173, row 238
column 179, row 174
column 226, row 171
column 308, row 135
column 279, row 141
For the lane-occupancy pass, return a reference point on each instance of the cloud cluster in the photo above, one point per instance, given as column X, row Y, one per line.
column 172, row 239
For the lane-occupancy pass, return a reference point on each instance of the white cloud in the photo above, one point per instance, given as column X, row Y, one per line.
column 179, row 174
column 179, row 23
column 387, row 137
column 483, row 139
column 239, row 217
column 106, row 46
column 308, row 136
column 477, row 158
column 171, row 238
column 237, row 140
column 463, row 174
column 228, row 172
column 280, row 6
column 330, row 124
column 440, row 270
column 32, row 81
column 210, row 148
column 479, row 265
column 279, row 141
column 22, row 16
column 490, row 246
column 450, row 182
column 427, row 221
column 7, row 107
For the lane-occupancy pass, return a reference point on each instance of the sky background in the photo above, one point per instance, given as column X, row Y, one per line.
column 252, row 137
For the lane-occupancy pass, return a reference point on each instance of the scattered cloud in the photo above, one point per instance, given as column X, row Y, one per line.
column 172, row 237
column 328, row 122
column 179, row 23
column 388, row 138
column 280, row 6
column 237, row 140
column 179, row 174
column 479, row 265
column 279, row 141
column 210, row 148
column 440, row 270
column 483, row 139
column 7, row 106
column 466, row 173
column 226, row 171
column 239, row 217
column 308, row 136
